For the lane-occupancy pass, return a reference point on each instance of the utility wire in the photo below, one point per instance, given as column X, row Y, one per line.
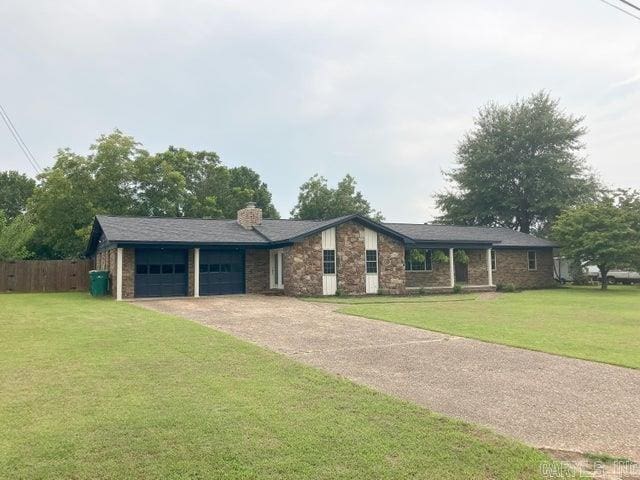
column 18, row 138
column 630, row 4
column 621, row 9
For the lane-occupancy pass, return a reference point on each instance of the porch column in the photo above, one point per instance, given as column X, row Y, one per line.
column 489, row 267
column 452, row 270
column 119, row 274
column 196, row 272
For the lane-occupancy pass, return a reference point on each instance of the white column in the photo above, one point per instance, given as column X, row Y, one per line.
column 452, row 269
column 119, row 274
column 196, row 272
column 489, row 267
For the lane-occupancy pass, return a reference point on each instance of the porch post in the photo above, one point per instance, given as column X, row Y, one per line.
column 119, row 274
column 196, row 272
column 489, row 267
column 452, row 270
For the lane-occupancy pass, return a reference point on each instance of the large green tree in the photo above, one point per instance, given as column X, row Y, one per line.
column 317, row 201
column 519, row 167
column 605, row 233
column 15, row 235
column 15, row 190
column 118, row 177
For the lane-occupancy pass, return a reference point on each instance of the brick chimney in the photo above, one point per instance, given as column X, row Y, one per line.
column 250, row 216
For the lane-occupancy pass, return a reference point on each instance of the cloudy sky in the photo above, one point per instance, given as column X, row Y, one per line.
column 379, row 89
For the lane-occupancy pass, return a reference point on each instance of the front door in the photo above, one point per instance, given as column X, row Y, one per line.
column 462, row 272
column 275, row 265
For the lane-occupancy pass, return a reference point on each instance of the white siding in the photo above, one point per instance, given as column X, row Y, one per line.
column 329, row 281
column 371, row 243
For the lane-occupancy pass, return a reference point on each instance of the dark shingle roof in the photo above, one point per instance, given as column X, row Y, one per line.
column 170, row 230
column 210, row 231
column 501, row 237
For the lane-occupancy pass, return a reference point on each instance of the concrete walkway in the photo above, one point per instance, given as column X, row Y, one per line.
column 544, row 400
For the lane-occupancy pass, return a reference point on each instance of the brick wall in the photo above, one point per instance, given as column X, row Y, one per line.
column 350, row 263
column 191, row 272
column 512, row 267
column 391, row 275
column 302, row 267
column 438, row 277
column 477, row 267
column 256, row 271
column 128, row 272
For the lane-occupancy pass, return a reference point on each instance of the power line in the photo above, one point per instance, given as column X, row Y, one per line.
column 18, row 138
column 621, row 9
column 630, row 4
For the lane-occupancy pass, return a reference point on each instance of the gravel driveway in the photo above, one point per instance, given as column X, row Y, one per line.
column 544, row 400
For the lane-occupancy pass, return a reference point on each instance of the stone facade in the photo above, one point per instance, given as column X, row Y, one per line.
column 391, row 274
column 302, row 267
column 512, row 267
column 256, row 271
column 350, row 264
column 250, row 216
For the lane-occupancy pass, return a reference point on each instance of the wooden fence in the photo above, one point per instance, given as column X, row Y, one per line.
column 45, row 275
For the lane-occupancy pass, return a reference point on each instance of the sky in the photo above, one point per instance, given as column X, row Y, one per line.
column 383, row 90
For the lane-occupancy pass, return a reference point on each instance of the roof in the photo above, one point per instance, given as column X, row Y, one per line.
column 162, row 230
column 497, row 236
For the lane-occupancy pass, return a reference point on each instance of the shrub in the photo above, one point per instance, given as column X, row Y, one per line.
column 506, row 287
column 457, row 288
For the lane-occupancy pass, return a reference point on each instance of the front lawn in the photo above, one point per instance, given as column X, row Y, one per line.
column 577, row 322
column 94, row 389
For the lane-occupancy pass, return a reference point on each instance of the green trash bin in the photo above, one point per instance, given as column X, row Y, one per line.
column 98, row 282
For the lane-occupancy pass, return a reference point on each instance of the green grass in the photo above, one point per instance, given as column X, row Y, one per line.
column 585, row 323
column 605, row 458
column 377, row 299
column 94, row 389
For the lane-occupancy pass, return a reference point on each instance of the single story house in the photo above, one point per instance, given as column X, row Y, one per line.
column 350, row 255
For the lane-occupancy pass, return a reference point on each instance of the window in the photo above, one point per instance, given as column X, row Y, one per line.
column 532, row 259
column 329, row 262
column 154, row 269
column 225, row 267
column 141, row 269
column 418, row 260
column 204, row 268
column 167, row 268
column 371, row 257
column 179, row 268
column 214, row 267
column 493, row 260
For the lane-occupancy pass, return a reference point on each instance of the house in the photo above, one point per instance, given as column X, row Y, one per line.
column 352, row 255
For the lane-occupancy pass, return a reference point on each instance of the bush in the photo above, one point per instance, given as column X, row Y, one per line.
column 506, row 287
column 457, row 288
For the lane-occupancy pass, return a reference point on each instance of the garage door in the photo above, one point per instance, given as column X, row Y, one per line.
column 161, row 273
column 221, row 272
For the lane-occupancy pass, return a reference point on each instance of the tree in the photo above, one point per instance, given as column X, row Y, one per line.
column 605, row 233
column 316, row 201
column 15, row 235
column 15, row 190
column 518, row 168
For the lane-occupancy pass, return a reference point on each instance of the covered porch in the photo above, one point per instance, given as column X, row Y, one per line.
column 439, row 268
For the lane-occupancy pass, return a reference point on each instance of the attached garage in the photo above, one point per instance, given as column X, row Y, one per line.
column 221, row 272
column 161, row 272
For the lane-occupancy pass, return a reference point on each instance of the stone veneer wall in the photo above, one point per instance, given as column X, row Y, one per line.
column 256, row 271
column 391, row 275
column 512, row 267
column 478, row 274
column 302, row 267
column 350, row 265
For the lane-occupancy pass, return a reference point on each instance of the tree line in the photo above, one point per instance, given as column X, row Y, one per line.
column 51, row 217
